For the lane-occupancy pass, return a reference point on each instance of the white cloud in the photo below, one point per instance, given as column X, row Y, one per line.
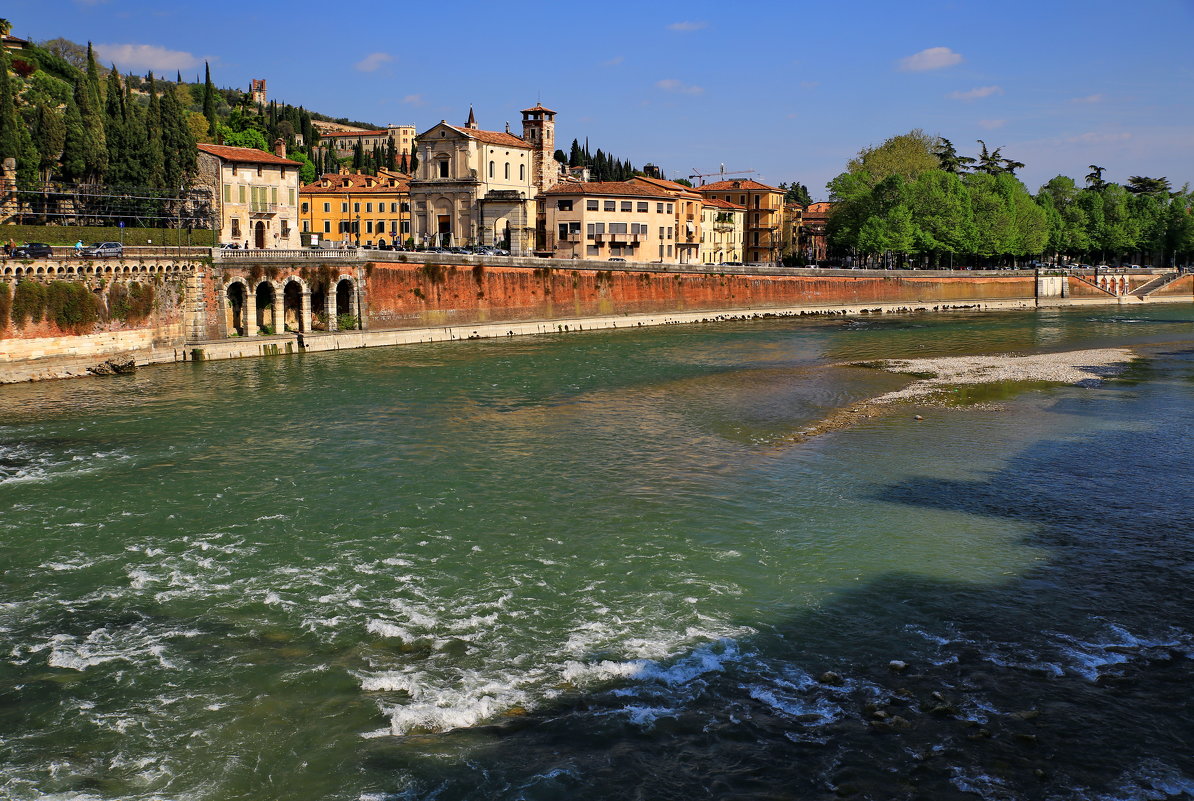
column 150, row 57
column 991, row 125
column 679, row 87
column 933, row 58
column 687, row 26
column 1092, row 138
column 613, row 62
column 976, row 93
column 372, row 62
column 1087, row 99
column 414, row 100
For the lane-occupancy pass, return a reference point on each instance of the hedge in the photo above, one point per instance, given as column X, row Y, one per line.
column 69, row 234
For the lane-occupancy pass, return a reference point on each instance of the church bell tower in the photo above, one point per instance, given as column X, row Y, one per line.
column 539, row 128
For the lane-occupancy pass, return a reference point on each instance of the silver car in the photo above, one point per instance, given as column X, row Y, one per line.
column 103, row 249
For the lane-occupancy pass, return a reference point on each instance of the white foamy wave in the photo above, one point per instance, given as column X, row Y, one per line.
column 24, row 463
column 707, row 658
column 135, row 644
column 466, row 701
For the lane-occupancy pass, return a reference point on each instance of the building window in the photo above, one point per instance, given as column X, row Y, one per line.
column 507, row 171
column 368, row 226
column 617, row 228
column 669, row 208
column 290, row 197
column 599, row 228
column 643, row 206
column 406, row 226
column 327, row 208
column 236, row 228
column 344, row 208
column 227, row 193
column 564, row 205
column 306, row 225
column 563, row 231
column 757, row 198
column 522, row 172
column 240, row 193
column 443, row 169
column 609, row 205
column 273, row 195
column 258, row 170
column 406, row 207
column 590, row 230
column 491, row 169
column 327, row 226
column 669, row 251
column 591, row 205
column 356, row 208
column 627, row 205
column 592, row 250
column 306, row 207
column 369, row 208
column 661, row 230
column 659, row 208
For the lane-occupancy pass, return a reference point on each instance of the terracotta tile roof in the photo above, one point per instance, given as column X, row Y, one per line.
column 621, row 188
column 493, row 137
column 333, row 134
column 723, row 204
column 245, row 155
column 538, row 107
column 730, row 186
column 354, row 184
column 670, row 186
column 818, row 208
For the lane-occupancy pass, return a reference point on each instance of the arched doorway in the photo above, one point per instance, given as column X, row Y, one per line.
column 319, row 306
column 263, row 319
column 346, row 306
column 292, row 307
column 259, row 234
column 238, row 317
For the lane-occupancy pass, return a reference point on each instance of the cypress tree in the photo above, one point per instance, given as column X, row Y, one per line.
column 93, row 79
column 49, row 134
column 209, row 102
column 155, row 165
column 10, row 146
column 74, row 148
column 413, row 164
column 178, row 143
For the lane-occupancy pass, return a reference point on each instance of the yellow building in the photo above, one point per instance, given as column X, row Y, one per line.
column 354, row 209
column 610, row 220
column 688, row 203
column 342, row 142
column 764, row 215
column 721, row 232
column 256, row 194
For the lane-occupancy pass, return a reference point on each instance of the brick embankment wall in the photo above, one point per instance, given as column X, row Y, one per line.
column 405, row 296
column 1181, row 288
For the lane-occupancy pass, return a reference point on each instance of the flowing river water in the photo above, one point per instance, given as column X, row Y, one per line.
column 595, row 566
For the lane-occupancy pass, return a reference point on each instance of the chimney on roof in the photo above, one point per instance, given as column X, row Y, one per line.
column 652, row 171
column 472, row 119
column 507, row 126
column 280, row 148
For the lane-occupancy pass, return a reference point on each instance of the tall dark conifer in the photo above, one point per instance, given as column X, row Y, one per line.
column 209, row 102
column 155, row 166
column 9, row 121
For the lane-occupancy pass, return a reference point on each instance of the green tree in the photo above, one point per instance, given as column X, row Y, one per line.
column 940, row 204
column 1094, row 178
column 1140, row 185
column 10, row 122
column 49, row 136
column 906, row 155
column 1069, row 224
column 949, row 160
column 307, row 171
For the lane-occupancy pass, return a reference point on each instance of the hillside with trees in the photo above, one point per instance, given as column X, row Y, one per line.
column 913, row 200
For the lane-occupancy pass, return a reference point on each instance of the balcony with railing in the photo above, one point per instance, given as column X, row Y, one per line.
column 263, row 207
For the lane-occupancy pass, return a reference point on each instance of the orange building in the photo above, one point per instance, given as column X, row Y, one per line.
column 610, row 220
column 688, row 205
column 764, row 215
column 355, row 209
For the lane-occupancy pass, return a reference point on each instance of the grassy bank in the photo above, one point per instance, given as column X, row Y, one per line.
column 69, row 234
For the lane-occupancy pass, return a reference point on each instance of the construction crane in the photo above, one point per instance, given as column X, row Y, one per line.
column 721, row 174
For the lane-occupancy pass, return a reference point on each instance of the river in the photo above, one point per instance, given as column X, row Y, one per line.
column 596, row 566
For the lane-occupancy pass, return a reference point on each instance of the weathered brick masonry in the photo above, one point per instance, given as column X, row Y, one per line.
column 407, row 295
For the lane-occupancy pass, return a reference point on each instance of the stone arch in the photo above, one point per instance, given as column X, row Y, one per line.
column 296, row 304
column 8, row 271
column 41, row 271
column 108, row 270
column 263, row 308
column 237, row 309
column 346, row 300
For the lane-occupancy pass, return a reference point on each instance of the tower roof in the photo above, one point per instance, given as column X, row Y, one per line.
column 538, row 107
column 472, row 119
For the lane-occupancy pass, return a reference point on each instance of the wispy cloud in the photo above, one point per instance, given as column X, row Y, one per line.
column 149, row 57
column 414, row 100
column 933, row 58
column 977, row 93
column 1087, row 99
column 991, row 125
column 613, row 62
column 688, row 26
column 679, row 87
column 1093, row 138
column 372, row 62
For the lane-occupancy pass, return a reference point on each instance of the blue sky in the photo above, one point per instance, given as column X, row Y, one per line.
column 790, row 89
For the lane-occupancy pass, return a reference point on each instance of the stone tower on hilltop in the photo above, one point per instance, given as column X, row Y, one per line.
column 257, row 91
column 539, row 128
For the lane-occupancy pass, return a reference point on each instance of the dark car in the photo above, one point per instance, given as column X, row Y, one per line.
column 33, row 250
column 103, row 249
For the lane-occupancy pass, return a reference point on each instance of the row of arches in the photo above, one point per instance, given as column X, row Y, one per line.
column 97, row 269
column 1113, row 284
column 271, row 307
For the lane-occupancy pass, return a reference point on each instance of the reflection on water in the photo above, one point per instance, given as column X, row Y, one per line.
column 589, row 566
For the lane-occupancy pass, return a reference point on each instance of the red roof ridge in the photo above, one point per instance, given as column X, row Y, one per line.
column 491, row 137
column 246, row 155
column 605, row 188
column 722, row 186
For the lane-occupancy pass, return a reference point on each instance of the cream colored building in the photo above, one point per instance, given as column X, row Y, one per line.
column 722, row 231
column 604, row 220
column 764, row 216
column 343, row 142
column 257, row 194
column 688, row 205
column 476, row 187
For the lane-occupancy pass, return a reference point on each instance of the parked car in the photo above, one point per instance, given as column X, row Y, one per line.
column 33, row 250
column 501, row 252
column 460, row 251
column 616, row 258
column 234, row 246
column 103, row 250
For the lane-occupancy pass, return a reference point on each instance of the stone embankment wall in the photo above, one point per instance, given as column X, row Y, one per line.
column 57, row 320
column 416, row 296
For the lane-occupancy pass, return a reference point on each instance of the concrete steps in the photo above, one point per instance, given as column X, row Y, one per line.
column 1159, row 282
